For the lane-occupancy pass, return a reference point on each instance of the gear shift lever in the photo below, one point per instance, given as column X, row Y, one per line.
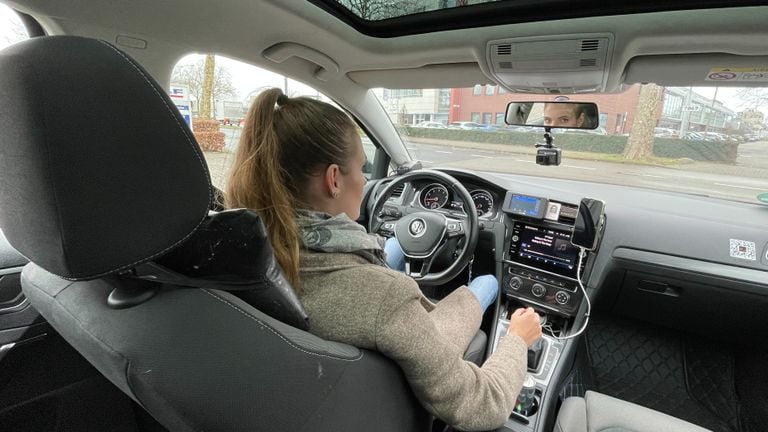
column 534, row 355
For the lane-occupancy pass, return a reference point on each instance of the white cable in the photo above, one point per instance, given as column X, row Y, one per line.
column 582, row 254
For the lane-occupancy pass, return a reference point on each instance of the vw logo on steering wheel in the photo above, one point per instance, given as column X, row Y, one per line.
column 417, row 227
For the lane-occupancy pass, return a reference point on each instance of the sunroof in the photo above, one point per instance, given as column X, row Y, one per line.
column 377, row 10
column 393, row 18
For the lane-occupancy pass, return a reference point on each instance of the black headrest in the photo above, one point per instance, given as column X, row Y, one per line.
column 231, row 251
column 98, row 171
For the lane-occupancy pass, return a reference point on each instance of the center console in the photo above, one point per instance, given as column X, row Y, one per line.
column 540, row 269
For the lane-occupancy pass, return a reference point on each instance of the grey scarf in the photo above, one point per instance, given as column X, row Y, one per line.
column 325, row 233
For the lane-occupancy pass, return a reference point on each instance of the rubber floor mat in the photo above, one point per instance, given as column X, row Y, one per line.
column 665, row 371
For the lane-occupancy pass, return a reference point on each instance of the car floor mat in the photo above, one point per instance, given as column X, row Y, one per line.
column 665, row 370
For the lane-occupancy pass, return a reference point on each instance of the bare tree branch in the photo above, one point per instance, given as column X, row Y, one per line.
column 382, row 9
column 752, row 97
column 191, row 75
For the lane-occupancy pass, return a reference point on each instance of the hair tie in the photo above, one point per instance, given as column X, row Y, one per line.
column 282, row 99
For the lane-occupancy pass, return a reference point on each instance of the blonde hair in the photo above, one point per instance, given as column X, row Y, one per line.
column 284, row 142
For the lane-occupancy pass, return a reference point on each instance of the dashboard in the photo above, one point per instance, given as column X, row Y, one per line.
column 538, row 264
column 663, row 251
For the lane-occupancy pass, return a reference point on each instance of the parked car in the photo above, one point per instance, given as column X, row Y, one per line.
column 465, row 125
column 660, row 132
column 431, row 125
column 662, row 311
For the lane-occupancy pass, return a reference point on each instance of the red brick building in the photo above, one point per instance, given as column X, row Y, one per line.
column 486, row 105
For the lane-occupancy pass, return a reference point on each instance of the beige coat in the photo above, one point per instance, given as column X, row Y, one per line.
column 353, row 301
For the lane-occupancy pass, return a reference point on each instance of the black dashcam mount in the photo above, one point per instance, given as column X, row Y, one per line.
column 546, row 152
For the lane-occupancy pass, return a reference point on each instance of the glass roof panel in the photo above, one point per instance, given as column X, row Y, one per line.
column 377, row 10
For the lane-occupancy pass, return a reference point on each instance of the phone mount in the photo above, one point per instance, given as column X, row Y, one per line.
column 547, row 153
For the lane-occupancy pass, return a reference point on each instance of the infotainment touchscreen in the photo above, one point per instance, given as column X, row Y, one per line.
column 544, row 248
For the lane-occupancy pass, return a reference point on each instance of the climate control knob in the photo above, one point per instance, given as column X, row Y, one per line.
column 538, row 290
column 514, row 283
column 562, row 297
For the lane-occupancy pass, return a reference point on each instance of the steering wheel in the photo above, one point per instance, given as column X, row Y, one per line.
column 423, row 234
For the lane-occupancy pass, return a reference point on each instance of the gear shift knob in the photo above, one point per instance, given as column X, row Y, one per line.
column 534, row 354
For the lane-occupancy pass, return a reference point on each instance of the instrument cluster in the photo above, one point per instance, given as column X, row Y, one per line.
column 436, row 196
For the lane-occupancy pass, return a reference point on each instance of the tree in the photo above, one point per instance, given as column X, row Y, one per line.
column 382, row 9
column 192, row 75
column 753, row 97
column 206, row 93
column 640, row 142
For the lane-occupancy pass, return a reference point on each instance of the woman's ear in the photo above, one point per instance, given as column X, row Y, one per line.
column 331, row 180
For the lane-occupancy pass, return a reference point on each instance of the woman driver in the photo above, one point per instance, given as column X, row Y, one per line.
column 299, row 165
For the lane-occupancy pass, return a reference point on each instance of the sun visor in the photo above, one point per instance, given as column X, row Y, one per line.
column 710, row 70
column 429, row 76
column 560, row 64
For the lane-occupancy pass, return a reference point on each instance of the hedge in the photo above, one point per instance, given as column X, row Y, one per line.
column 607, row 144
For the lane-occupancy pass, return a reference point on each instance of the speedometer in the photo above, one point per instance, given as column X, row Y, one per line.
column 434, row 196
column 483, row 201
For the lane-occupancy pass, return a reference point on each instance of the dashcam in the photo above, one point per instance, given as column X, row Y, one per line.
column 548, row 156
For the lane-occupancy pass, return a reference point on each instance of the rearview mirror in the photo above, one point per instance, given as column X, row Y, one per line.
column 571, row 115
column 589, row 223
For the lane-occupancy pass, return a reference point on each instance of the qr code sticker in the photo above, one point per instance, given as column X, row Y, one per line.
column 743, row 249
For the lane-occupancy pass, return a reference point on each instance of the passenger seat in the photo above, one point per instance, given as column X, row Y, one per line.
column 596, row 412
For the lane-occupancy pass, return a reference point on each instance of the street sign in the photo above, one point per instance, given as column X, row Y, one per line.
column 179, row 94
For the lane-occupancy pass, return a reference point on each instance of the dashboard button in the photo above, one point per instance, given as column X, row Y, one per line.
column 515, row 283
column 538, row 290
column 562, row 297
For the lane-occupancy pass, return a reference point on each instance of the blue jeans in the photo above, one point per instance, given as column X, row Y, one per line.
column 485, row 287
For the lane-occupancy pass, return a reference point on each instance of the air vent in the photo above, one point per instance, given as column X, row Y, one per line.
column 590, row 44
column 505, row 65
column 505, row 49
column 588, row 62
column 398, row 191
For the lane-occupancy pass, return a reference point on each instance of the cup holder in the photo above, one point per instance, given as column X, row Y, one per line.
column 523, row 414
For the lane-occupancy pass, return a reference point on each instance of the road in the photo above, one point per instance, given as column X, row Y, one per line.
column 742, row 181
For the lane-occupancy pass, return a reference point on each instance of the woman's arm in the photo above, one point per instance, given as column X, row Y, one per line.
column 462, row 394
column 458, row 317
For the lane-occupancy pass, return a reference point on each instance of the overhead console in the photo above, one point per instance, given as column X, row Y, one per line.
column 575, row 63
column 540, row 263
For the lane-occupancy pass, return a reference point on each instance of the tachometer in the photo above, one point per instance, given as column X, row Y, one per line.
column 434, row 196
column 483, row 201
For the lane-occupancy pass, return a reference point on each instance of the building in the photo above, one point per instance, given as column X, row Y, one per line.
column 704, row 114
column 413, row 106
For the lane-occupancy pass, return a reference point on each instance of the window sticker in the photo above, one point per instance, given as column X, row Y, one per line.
column 754, row 74
column 743, row 249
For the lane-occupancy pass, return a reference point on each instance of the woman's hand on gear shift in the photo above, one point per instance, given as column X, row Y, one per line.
column 526, row 324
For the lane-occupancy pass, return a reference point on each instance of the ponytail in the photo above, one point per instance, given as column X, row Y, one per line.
column 258, row 182
column 285, row 141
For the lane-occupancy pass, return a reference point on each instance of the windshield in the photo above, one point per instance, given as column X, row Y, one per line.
column 704, row 141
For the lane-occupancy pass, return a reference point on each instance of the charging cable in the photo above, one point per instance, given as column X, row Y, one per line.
column 582, row 254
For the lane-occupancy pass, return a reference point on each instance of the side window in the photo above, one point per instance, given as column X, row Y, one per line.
column 11, row 28
column 233, row 86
